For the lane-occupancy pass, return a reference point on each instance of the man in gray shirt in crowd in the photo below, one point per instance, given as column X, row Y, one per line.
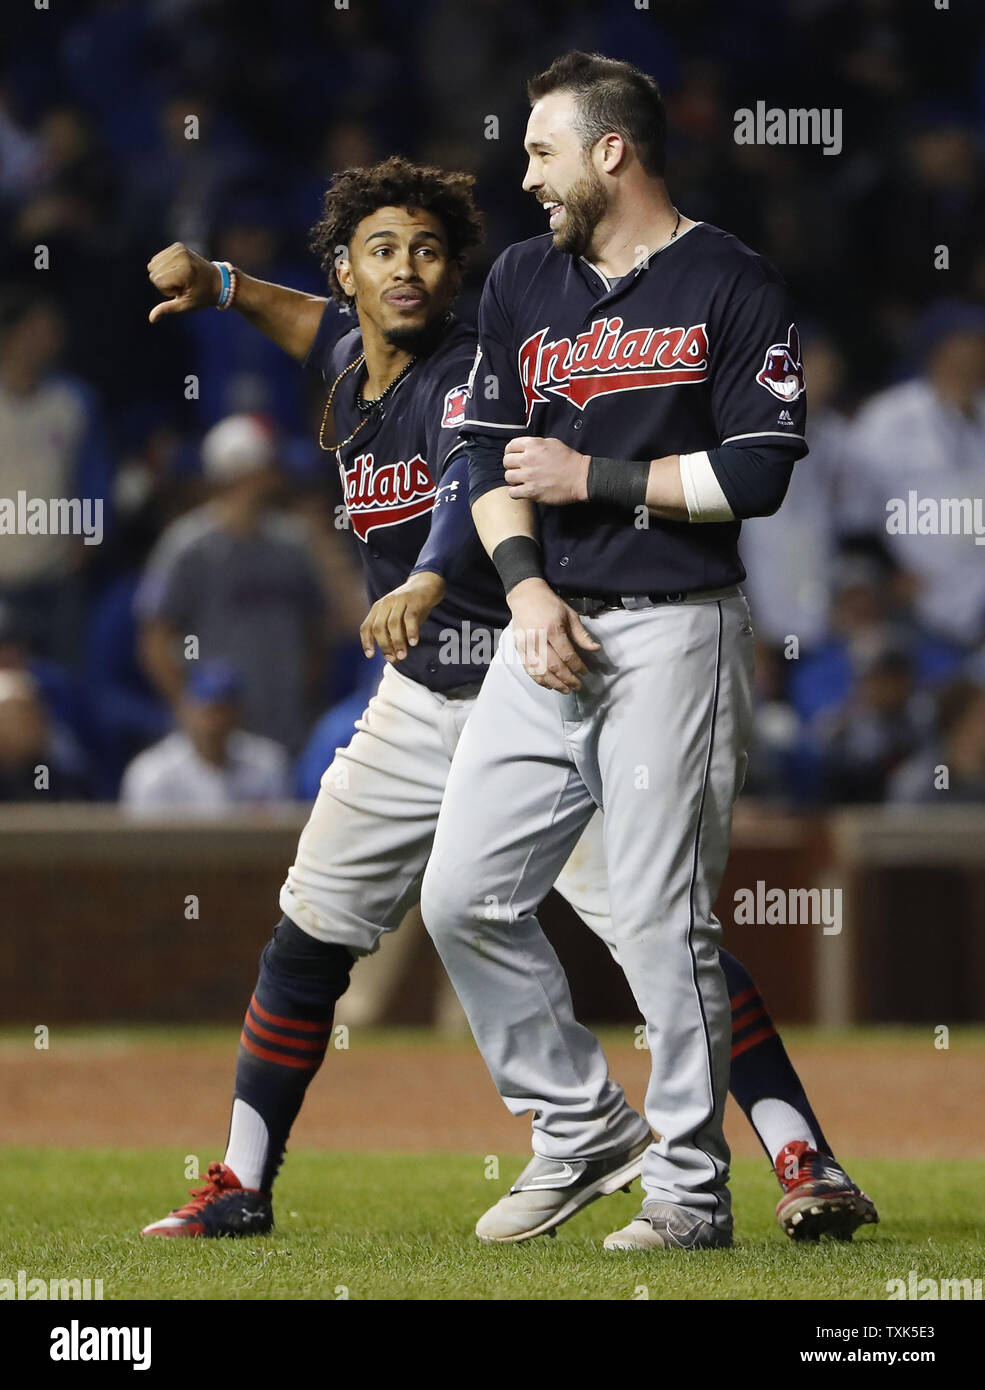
column 239, row 578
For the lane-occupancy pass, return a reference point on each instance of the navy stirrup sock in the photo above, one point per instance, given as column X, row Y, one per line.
column 761, row 1069
column 286, row 1031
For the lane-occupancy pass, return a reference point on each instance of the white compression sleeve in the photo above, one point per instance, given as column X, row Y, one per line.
column 702, row 491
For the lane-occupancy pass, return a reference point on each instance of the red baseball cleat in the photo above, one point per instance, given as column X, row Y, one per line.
column 221, row 1208
column 819, row 1198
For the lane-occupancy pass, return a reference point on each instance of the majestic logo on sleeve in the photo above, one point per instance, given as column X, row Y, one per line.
column 453, row 414
column 386, row 495
column 782, row 372
column 604, row 359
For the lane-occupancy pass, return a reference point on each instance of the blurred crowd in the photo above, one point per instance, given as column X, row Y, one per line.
column 126, row 125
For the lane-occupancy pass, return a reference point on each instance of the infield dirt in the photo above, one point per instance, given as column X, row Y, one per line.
column 878, row 1097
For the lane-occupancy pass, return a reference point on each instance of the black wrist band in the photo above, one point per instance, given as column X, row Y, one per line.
column 518, row 558
column 618, row 482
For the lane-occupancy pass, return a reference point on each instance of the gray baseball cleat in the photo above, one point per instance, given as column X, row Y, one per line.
column 550, row 1191
column 663, row 1226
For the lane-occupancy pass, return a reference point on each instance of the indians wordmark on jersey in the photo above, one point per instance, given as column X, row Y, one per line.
column 385, row 494
column 606, row 358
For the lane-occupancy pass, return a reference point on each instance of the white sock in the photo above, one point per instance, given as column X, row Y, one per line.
column 246, row 1152
column 777, row 1124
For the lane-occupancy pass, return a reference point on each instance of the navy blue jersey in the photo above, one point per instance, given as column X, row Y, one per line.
column 391, row 475
column 695, row 349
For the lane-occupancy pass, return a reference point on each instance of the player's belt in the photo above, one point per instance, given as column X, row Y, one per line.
column 590, row 605
column 461, row 692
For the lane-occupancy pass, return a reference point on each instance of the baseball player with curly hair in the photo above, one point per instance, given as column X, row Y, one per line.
column 393, row 240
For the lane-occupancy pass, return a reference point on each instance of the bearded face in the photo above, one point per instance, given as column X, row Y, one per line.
column 575, row 215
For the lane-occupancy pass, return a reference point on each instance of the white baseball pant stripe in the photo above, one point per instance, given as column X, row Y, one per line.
column 656, row 737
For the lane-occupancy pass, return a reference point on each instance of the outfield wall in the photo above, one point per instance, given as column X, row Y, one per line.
column 107, row 921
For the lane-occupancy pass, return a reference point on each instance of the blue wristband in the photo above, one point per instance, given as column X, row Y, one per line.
column 227, row 285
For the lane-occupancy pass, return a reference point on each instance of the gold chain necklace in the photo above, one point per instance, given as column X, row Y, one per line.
column 330, row 449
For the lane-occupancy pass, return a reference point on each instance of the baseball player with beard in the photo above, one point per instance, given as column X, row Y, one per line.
column 648, row 395
column 392, row 241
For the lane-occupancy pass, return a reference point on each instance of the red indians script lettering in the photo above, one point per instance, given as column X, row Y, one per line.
column 604, row 359
column 386, row 495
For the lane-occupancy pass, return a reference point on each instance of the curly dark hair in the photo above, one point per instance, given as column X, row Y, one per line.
column 395, row 182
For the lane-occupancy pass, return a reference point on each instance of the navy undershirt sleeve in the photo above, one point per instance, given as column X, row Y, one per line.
column 486, row 471
column 452, row 541
column 755, row 480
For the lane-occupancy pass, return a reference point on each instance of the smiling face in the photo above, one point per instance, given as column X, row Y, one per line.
column 561, row 173
column 399, row 273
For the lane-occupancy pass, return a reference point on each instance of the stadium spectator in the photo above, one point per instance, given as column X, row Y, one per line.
column 924, row 441
column 126, row 713
column 209, row 764
column 51, row 447
column 240, row 370
column 62, row 694
column 881, row 724
column 779, row 768
column 871, row 601
column 201, row 150
column 953, row 768
column 937, row 201
column 38, row 760
column 238, row 577
column 20, row 153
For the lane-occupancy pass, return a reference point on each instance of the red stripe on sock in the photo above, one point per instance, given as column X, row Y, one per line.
column 276, row 1056
column 289, row 1022
column 744, row 997
column 761, row 1036
column 282, row 1048
column 303, row 1044
column 750, row 1016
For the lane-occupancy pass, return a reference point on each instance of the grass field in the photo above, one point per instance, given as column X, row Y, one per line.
column 357, row 1219
column 380, row 1226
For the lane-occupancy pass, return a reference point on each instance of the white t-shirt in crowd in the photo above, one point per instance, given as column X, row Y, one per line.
column 172, row 776
column 907, row 439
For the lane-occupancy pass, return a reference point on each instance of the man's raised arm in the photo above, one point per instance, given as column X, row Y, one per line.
column 188, row 282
